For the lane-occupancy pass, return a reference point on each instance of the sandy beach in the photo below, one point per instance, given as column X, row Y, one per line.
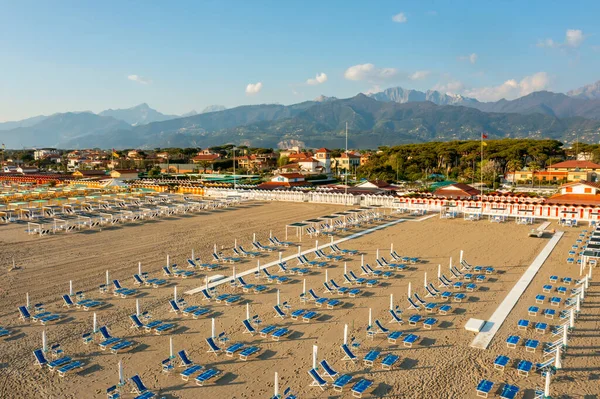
column 441, row 365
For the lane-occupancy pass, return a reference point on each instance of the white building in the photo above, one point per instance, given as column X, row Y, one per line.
column 42, row 153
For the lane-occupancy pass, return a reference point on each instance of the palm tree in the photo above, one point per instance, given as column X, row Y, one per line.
column 513, row 166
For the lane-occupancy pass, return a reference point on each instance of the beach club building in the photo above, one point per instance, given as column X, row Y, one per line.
column 457, row 191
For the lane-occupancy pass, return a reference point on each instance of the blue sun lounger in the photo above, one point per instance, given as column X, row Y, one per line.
column 146, row 395
column 329, row 371
column 549, row 313
column 413, row 305
column 541, row 328
column 249, row 327
column 509, row 391
column 555, row 301
column 524, row 367
column 429, row 322
column 361, row 387
column 69, row 367
column 307, row 317
column 512, row 341
column 267, row 330
column 410, row 339
column 213, row 347
column 317, row 380
column 206, row 376
column 40, row 359
column 562, row 290
column 446, row 295
column 184, row 359
column 190, row 371
column 138, row 385
column 444, row 309
column 431, row 307
column 231, row 350
column 484, row 387
column 371, row 357
column 531, row 345
column 248, row 352
column 501, row 362
column 279, row 312
column 523, row 324
column 414, row 320
column 341, row 382
column 297, row 313
column 348, row 355
column 394, row 336
column 395, row 317
column 121, row 346
column 540, row 298
column 282, row 332
column 380, row 328
column 389, row 361
column 222, row 297
column 533, row 311
column 121, row 291
column 58, row 363
column 430, row 293
column 108, row 339
column 547, row 288
column 458, row 297
column 553, row 279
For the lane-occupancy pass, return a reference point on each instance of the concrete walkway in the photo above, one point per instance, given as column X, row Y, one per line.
column 491, row 327
column 227, row 279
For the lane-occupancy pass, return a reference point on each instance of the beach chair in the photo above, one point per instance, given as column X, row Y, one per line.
column 561, row 290
column 282, row 243
column 307, row 317
column 297, row 313
column 138, row 385
column 431, row 307
column 394, row 336
column 410, row 339
column 501, row 362
column 524, row 367
column 184, row 359
column 206, row 376
column 419, row 300
column 443, row 283
column 64, row 370
column 471, row 287
column 348, row 355
column 68, row 302
column 58, row 363
column 190, row 371
column 332, row 303
column 231, row 299
column 248, row 253
column 249, row 327
column 531, row 345
column 509, row 391
column 484, row 387
column 212, row 346
column 523, row 324
column 549, row 313
column 429, row 322
column 341, row 382
column 345, row 251
column 430, row 293
column 459, row 297
column 555, row 301
column 118, row 290
column 533, row 310
column 388, row 362
column 547, row 288
column 371, row 357
column 279, row 312
column 360, row 388
column 279, row 333
column 541, row 328
column 446, row 295
column 413, row 305
column 108, row 339
column 396, row 316
column 553, row 279
column 40, row 358
column 380, row 328
column 232, row 349
column 444, row 309
column 329, row 371
column 265, row 331
column 512, row 341
column 121, row 346
column 249, row 352
column 317, row 380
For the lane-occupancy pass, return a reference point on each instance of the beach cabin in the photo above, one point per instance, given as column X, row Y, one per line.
column 124, row 174
column 457, row 191
column 88, row 173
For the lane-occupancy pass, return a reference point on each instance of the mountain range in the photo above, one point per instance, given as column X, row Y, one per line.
column 390, row 117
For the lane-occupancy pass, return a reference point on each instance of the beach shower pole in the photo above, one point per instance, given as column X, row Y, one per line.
column 171, row 347
column 547, row 386
column 44, row 342
column 345, row 334
column 278, row 297
column 71, row 287
column 391, row 301
column 439, row 271
column 409, row 290
column 276, row 394
column 95, row 323
column 315, row 349
column 137, row 307
column 425, row 280
column 213, row 327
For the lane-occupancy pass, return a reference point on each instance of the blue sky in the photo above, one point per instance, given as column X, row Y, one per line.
column 58, row 56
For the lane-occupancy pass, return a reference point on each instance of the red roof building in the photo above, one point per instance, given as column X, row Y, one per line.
column 566, row 166
column 457, row 191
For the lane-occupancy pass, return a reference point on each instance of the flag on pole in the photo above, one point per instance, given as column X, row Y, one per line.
column 484, row 136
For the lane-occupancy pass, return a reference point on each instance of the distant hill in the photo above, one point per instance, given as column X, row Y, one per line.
column 138, row 115
column 372, row 123
column 22, row 123
column 400, row 95
column 57, row 129
column 324, row 99
column 590, row 92
column 213, row 108
column 545, row 102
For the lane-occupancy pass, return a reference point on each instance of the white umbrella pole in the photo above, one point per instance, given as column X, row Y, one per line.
column 247, row 311
column 439, row 271
column 557, row 362
column 233, row 273
column 345, row 268
column 391, row 248
column 370, row 317
column 280, row 257
column 450, row 264
column 345, row 334
column 572, row 319
column 171, row 347
column 409, row 289
column 258, row 265
column 391, row 301
column 175, row 293
column 278, row 302
column 315, row 349
column 107, row 278
column 253, row 237
column 137, row 307
column 276, row 385
column 304, row 287
column 95, row 323
column 44, row 342
column 27, row 300
column 461, row 256
column 193, row 257
column 215, row 248
column 565, row 339
column 213, row 327
column 547, row 386
column 326, row 276
column 140, row 268
column 316, row 245
column 425, row 280
column 71, row 287
column 121, row 377
column 362, row 259
column 377, row 254
column 270, row 233
column 578, row 304
column 299, row 249
column 168, row 261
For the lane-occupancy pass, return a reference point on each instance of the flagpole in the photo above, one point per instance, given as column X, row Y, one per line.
column 481, row 167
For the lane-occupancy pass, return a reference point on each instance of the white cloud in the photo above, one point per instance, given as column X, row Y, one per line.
column 419, row 75
column 139, row 79
column 511, row 88
column 374, row 89
column 573, row 39
column 400, row 18
column 320, row 78
column 472, row 58
column 369, row 72
column 253, row 88
column 453, row 86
